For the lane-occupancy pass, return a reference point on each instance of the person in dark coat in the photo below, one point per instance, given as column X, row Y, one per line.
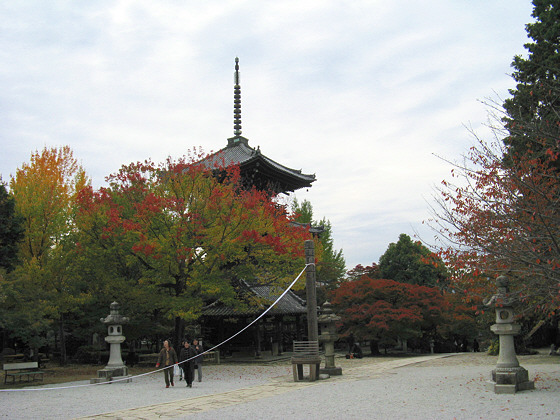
column 187, row 357
column 198, row 361
column 167, row 357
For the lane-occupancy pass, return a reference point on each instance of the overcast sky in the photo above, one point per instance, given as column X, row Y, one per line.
column 360, row 93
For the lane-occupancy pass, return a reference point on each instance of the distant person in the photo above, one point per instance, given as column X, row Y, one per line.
column 355, row 352
column 358, row 353
column 198, row 361
column 167, row 357
column 350, row 341
column 187, row 356
column 132, row 358
column 475, row 346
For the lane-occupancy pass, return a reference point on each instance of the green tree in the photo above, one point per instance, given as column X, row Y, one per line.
column 11, row 230
column 303, row 211
column 26, row 313
column 332, row 266
column 413, row 263
column 532, row 117
column 41, row 291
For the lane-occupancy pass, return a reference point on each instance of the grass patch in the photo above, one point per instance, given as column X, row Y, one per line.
column 55, row 374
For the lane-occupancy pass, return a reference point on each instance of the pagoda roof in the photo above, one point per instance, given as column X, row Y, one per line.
column 256, row 169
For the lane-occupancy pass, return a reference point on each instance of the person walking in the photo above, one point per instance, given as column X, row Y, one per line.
column 167, row 357
column 476, row 346
column 198, row 361
column 187, row 357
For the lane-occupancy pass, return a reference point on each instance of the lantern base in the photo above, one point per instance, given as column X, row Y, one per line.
column 510, row 380
column 111, row 374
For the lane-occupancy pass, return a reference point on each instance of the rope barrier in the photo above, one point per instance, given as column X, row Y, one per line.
column 128, row 378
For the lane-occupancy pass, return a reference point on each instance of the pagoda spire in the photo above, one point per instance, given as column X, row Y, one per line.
column 236, row 101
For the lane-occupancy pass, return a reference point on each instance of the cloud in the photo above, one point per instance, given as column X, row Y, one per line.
column 362, row 93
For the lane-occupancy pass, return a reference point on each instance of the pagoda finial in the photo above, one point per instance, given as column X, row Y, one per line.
column 236, row 101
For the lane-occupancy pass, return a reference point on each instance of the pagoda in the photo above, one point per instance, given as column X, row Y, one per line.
column 256, row 169
column 284, row 323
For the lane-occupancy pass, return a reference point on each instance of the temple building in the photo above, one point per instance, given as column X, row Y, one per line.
column 285, row 322
column 275, row 332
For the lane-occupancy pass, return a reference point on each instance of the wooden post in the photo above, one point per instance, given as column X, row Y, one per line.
column 258, row 338
column 311, row 292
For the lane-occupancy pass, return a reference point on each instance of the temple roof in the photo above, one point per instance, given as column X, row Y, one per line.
column 256, row 169
column 290, row 304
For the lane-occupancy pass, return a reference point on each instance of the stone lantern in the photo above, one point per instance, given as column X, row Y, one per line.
column 115, row 367
column 327, row 320
column 508, row 377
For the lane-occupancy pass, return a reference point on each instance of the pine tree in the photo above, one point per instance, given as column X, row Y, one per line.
column 11, row 230
column 532, row 118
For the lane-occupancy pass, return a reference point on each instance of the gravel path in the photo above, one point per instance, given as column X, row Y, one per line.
column 443, row 389
column 449, row 388
column 85, row 400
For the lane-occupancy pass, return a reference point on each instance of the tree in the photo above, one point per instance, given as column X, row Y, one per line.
column 43, row 191
column 371, row 271
column 532, row 117
column 332, row 267
column 500, row 211
column 462, row 322
column 501, row 218
column 411, row 262
column 182, row 237
column 11, row 230
column 303, row 211
column 40, row 290
column 384, row 310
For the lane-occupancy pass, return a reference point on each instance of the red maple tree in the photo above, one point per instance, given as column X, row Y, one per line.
column 385, row 310
column 501, row 216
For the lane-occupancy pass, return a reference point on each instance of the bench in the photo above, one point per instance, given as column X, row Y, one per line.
column 306, row 353
column 9, row 358
column 212, row 357
column 148, row 359
column 24, row 369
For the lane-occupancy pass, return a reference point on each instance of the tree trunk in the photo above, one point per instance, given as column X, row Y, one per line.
column 374, row 347
column 63, row 358
column 179, row 333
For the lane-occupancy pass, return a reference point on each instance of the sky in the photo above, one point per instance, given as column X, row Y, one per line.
column 368, row 95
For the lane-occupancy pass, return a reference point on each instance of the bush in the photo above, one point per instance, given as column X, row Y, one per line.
column 88, row 355
column 494, row 348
